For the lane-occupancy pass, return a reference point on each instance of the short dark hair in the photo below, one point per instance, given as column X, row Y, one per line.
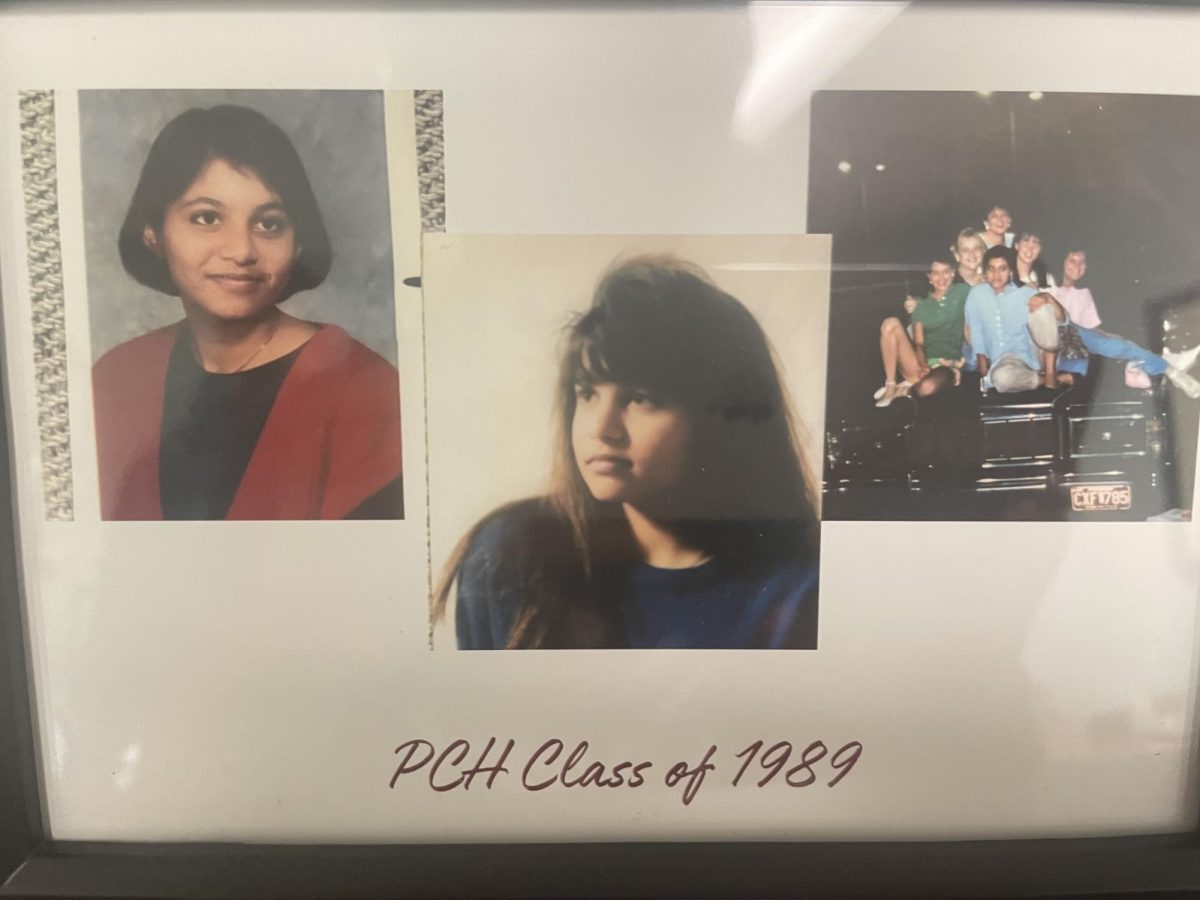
column 247, row 140
column 1001, row 252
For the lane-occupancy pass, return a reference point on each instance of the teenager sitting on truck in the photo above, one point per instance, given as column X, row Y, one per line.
column 1074, row 327
column 931, row 361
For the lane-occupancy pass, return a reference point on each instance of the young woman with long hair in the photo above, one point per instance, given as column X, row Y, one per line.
column 679, row 514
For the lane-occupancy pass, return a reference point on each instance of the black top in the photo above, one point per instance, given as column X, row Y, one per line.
column 211, row 424
column 768, row 603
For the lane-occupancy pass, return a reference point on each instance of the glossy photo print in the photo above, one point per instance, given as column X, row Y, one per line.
column 241, row 297
column 1014, row 323
column 621, row 446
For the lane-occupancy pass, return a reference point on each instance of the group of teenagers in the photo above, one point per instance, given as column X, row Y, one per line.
column 995, row 308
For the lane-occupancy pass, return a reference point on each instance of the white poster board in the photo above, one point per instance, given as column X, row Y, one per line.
column 251, row 681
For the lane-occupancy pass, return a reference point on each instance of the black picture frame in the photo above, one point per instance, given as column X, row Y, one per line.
column 32, row 864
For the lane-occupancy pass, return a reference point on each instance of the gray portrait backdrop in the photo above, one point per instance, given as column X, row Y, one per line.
column 340, row 138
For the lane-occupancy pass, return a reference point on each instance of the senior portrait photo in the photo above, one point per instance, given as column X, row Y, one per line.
column 623, row 437
column 1014, row 318
column 241, row 296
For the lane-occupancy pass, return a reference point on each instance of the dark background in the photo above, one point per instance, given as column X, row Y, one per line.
column 1115, row 174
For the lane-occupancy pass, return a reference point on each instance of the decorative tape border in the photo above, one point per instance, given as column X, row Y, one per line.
column 431, row 159
column 44, row 258
column 43, row 249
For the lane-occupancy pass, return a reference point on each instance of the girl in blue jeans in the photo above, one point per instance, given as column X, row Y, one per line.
column 1052, row 329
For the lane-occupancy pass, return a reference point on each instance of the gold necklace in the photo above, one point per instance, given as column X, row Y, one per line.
column 249, row 359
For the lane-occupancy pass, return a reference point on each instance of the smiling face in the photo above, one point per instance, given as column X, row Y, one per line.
column 228, row 244
column 997, row 273
column 998, row 221
column 1029, row 248
column 1075, row 265
column 941, row 276
column 969, row 252
column 628, row 447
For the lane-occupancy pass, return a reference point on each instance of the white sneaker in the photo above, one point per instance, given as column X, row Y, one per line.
column 887, row 395
column 1183, row 381
column 879, row 393
column 1184, row 360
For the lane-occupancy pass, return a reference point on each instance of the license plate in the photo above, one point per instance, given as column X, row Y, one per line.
column 1101, row 497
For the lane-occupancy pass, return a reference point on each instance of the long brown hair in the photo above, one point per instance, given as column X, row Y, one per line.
column 660, row 324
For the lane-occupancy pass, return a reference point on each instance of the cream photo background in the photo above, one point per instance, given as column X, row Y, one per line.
column 495, row 310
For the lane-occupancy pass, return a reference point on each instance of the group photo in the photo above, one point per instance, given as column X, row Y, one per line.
column 1015, row 306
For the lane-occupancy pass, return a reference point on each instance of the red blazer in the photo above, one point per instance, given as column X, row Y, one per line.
column 331, row 440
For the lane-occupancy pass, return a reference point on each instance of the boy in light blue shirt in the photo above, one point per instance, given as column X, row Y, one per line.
column 997, row 320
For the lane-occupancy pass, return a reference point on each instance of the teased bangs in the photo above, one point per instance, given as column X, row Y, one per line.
column 630, row 350
column 660, row 325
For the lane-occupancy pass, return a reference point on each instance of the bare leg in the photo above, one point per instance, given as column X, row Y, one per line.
column 895, row 348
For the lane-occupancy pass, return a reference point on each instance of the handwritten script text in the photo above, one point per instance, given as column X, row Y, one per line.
column 555, row 764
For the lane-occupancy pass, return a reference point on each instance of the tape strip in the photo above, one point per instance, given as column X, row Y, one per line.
column 431, row 159
column 44, row 252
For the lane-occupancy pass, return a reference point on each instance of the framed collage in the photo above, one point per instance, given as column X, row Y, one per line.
column 815, row 385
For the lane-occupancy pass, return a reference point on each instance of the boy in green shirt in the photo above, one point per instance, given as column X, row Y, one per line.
column 938, row 326
column 933, row 359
